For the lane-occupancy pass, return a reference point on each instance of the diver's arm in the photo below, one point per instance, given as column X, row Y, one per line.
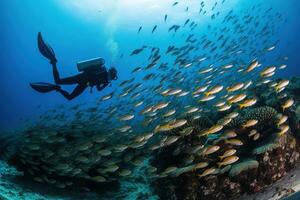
column 101, row 86
column 76, row 92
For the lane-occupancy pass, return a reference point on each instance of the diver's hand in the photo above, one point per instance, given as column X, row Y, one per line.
column 101, row 86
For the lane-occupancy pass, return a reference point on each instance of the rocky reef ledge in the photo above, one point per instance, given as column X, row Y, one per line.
column 286, row 188
column 267, row 167
column 246, row 177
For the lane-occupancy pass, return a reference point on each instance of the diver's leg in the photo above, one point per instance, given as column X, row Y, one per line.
column 46, row 50
column 76, row 92
column 64, row 81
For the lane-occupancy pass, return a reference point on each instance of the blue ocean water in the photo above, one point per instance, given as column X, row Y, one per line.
column 82, row 30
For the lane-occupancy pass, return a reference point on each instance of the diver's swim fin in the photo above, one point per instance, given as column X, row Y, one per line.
column 44, row 87
column 45, row 49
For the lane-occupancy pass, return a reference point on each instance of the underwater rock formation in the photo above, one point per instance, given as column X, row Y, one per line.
column 263, row 154
column 247, row 176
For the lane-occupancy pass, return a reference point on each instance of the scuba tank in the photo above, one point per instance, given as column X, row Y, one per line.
column 91, row 65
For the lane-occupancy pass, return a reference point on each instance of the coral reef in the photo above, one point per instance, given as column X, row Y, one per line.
column 268, row 164
column 265, row 152
column 211, row 156
column 261, row 114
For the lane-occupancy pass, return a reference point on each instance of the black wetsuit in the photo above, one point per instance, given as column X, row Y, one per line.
column 83, row 80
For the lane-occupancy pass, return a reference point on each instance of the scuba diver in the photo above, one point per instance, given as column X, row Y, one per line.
column 93, row 73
